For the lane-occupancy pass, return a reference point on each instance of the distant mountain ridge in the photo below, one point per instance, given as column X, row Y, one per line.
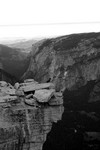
column 24, row 45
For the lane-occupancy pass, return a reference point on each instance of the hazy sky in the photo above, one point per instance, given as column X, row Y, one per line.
column 14, row 14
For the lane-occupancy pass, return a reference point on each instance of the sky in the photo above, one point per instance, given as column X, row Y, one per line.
column 47, row 18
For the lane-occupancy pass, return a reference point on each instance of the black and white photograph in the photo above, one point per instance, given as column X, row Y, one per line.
column 49, row 75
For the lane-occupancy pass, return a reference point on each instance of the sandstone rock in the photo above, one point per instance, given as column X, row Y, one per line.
column 56, row 101
column 7, row 90
column 58, row 94
column 21, row 112
column 29, row 96
column 33, row 87
column 25, row 127
column 7, row 98
column 19, row 93
column 29, row 80
column 7, row 94
column 31, row 102
column 16, row 86
column 44, row 95
column 3, row 84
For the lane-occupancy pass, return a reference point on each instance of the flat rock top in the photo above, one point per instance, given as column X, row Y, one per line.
column 35, row 86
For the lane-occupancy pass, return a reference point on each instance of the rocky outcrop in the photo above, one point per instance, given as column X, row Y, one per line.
column 69, row 61
column 32, row 93
column 72, row 64
column 24, row 125
column 26, row 128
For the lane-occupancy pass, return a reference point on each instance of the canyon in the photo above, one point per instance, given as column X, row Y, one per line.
column 72, row 64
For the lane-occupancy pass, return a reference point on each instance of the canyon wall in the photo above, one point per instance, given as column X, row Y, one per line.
column 68, row 61
column 23, row 127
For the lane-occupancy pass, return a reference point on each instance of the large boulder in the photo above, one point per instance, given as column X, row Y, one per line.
column 35, row 86
column 44, row 95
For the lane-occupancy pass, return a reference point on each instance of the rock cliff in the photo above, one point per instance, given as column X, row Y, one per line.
column 72, row 63
column 68, row 61
column 25, row 118
column 24, row 127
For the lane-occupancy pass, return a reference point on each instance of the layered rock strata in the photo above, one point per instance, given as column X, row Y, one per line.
column 24, row 125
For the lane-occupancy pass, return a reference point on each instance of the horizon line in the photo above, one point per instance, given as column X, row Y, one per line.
column 47, row 24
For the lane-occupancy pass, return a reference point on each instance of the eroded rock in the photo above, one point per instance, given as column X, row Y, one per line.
column 44, row 95
column 34, row 86
column 24, row 122
column 26, row 128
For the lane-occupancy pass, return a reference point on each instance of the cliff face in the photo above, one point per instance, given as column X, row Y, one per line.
column 26, row 128
column 68, row 61
column 72, row 63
